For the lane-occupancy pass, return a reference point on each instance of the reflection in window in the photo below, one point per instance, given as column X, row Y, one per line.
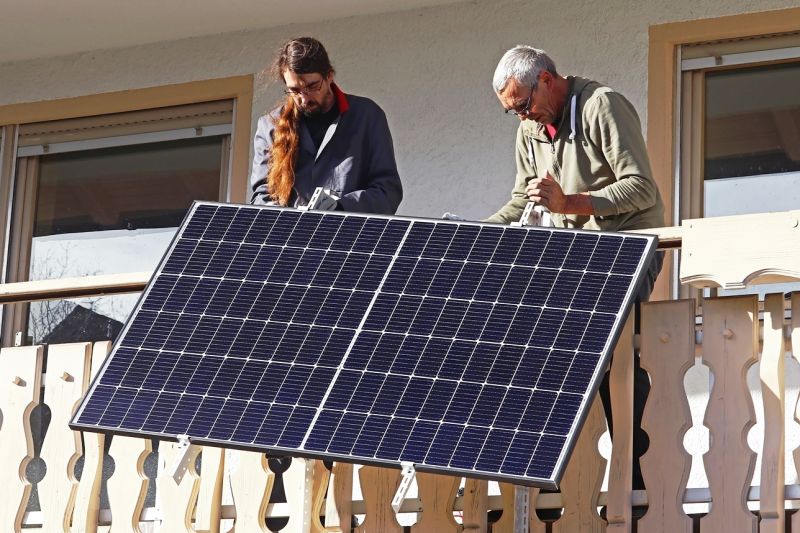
column 752, row 121
column 752, row 146
column 110, row 211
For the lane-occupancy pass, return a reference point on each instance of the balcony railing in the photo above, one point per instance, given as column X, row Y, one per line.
column 681, row 343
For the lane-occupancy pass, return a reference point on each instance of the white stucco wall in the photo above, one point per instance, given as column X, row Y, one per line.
column 430, row 69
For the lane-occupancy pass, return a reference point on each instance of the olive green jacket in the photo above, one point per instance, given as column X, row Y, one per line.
column 599, row 148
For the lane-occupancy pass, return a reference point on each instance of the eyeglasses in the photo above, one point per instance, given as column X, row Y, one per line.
column 311, row 88
column 517, row 111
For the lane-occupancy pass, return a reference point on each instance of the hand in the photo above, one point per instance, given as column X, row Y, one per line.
column 547, row 192
column 327, row 203
column 452, row 216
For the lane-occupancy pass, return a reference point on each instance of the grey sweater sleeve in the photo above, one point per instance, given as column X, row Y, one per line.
column 619, row 133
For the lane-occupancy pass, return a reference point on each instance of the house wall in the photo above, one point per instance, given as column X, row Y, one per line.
column 430, row 69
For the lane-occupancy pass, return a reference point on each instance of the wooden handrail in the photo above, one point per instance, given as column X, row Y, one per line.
column 669, row 238
column 56, row 289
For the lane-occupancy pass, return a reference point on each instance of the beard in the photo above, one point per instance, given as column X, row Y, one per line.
column 311, row 112
column 316, row 108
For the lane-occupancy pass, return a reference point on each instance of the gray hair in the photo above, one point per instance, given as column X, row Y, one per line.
column 524, row 64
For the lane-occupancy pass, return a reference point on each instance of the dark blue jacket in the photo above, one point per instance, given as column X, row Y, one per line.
column 357, row 162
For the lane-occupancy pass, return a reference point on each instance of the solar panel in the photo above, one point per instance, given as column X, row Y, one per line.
column 467, row 348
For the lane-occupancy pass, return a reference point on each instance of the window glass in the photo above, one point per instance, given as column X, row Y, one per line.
column 752, row 121
column 111, row 211
column 752, row 146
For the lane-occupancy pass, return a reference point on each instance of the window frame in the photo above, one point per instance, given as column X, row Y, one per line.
column 665, row 106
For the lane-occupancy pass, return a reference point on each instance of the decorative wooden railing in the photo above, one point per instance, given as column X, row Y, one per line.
column 726, row 336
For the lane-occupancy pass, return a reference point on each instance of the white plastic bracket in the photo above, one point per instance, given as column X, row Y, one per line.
column 408, row 477
column 522, row 509
column 186, row 454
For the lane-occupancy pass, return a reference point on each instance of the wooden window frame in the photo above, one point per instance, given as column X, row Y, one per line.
column 664, row 102
column 238, row 88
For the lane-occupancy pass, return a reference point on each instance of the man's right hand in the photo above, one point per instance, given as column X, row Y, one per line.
column 548, row 192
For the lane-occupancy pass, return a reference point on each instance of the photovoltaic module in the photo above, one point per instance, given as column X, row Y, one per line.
column 465, row 348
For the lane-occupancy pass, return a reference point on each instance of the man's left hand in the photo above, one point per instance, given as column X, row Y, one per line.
column 547, row 192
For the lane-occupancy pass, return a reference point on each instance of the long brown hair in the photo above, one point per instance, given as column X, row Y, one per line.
column 302, row 55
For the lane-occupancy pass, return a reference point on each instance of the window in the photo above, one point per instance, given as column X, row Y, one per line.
column 111, row 211
column 104, row 194
column 740, row 131
column 752, row 140
column 679, row 56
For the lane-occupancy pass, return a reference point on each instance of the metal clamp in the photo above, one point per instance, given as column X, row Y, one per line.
column 526, row 215
column 186, row 454
column 408, row 477
column 522, row 508
column 541, row 218
column 322, row 199
column 314, row 200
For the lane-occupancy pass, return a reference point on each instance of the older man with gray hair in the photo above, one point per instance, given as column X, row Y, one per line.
column 580, row 150
column 580, row 154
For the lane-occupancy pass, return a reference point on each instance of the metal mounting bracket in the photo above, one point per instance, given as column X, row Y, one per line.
column 542, row 217
column 408, row 477
column 314, row 200
column 186, row 454
column 526, row 215
column 522, row 508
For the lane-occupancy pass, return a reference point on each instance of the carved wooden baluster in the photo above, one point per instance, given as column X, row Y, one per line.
column 667, row 353
column 339, row 503
column 795, row 329
column 378, row 486
column 618, row 510
column 437, row 494
column 68, row 369
column 209, row 500
column 251, row 485
column 773, row 393
column 730, row 347
column 127, row 486
column 321, row 478
column 476, row 505
column 87, row 500
column 583, row 478
column 298, row 482
column 175, row 501
column 535, row 525
column 20, row 386
column 505, row 524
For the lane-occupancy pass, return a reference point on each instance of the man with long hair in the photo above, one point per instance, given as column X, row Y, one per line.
column 322, row 137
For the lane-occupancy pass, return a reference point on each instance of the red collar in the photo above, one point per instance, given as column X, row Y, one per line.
column 341, row 98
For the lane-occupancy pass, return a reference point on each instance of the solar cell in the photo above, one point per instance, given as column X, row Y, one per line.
column 462, row 347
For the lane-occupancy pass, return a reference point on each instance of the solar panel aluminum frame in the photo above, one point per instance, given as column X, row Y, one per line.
column 548, row 483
